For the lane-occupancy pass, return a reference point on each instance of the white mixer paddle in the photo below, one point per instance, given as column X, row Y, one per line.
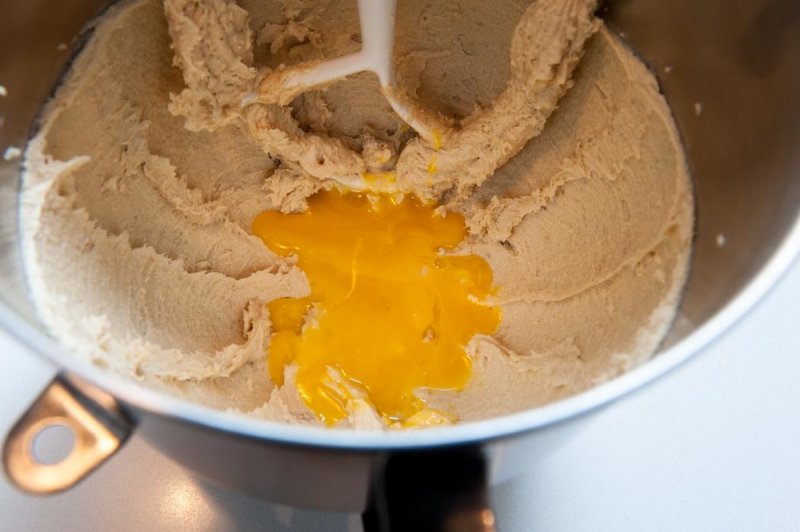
column 377, row 20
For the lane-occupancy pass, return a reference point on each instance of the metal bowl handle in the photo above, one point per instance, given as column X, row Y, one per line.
column 98, row 424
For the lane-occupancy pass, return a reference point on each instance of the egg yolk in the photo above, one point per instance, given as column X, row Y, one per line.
column 390, row 310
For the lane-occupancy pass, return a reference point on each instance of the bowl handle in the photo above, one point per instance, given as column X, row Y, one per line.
column 444, row 489
column 98, row 425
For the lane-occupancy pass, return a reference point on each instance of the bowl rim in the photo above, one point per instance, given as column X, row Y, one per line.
column 162, row 404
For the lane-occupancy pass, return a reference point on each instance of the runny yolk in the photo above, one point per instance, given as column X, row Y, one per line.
column 390, row 311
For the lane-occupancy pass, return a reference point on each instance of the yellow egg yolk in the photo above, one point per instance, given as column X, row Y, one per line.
column 390, row 310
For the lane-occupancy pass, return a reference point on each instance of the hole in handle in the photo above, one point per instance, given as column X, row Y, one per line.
column 53, row 444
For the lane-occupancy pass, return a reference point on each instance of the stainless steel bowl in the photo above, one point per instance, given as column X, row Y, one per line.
column 731, row 70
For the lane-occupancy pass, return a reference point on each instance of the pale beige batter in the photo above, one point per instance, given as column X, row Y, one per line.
column 152, row 162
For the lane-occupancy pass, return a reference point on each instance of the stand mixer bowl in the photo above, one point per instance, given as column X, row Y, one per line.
column 731, row 72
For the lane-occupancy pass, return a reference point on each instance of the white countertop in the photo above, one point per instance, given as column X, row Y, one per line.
column 714, row 446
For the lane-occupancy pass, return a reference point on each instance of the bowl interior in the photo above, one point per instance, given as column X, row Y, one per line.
column 729, row 69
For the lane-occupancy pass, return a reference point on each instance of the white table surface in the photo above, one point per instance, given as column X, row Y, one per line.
column 714, row 446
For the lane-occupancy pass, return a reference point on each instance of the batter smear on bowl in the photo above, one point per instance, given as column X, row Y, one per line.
column 206, row 242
